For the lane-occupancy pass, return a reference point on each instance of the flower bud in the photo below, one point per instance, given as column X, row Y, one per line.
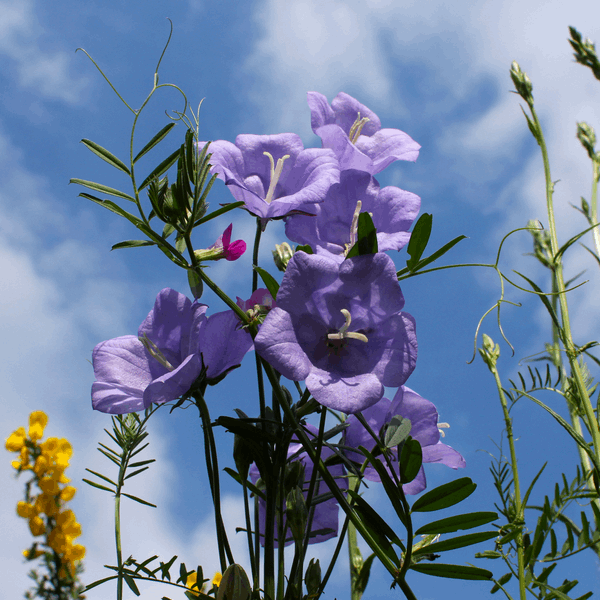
column 296, row 513
column 234, row 584
column 312, row 579
column 522, row 83
column 282, row 255
column 587, row 137
column 490, row 352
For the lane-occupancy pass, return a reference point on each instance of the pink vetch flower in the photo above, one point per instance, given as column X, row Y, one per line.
column 223, row 248
column 355, row 135
column 425, row 429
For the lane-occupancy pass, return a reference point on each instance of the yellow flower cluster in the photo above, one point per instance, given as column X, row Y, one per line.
column 46, row 511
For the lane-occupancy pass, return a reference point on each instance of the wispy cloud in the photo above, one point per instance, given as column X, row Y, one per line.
column 48, row 74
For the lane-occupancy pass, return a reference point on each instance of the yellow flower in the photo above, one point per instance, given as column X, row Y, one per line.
column 217, row 579
column 41, row 466
column 26, row 510
column 16, row 440
column 57, row 540
column 37, row 422
column 23, row 461
column 192, row 579
column 47, row 504
column 76, row 552
column 32, row 555
column 49, row 446
column 49, row 486
column 67, row 493
column 37, row 526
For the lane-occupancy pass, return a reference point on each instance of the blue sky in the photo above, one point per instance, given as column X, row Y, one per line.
column 438, row 71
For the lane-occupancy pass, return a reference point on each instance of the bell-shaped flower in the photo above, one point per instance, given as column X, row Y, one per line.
column 354, row 133
column 341, row 328
column 324, row 524
column 393, row 211
column 273, row 174
column 159, row 365
column 425, row 429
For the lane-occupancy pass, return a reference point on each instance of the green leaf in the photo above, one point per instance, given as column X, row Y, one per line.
column 418, row 240
column 432, row 257
column 488, row 554
column 139, row 500
column 155, row 140
column 391, row 490
column 366, row 242
column 304, row 248
column 411, row 459
column 445, row 495
column 397, row 431
column 504, row 579
column 457, row 542
column 130, row 581
column 104, row 189
column 360, row 584
column 102, row 477
column 97, row 485
column 570, row 242
column 218, row 212
column 133, row 244
column 104, row 154
column 452, row 571
column 371, row 516
column 99, row 582
column 269, row 281
column 164, row 166
column 451, row 524
column 543, row 298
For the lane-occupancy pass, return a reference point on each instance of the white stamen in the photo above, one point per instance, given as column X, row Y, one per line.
column 275, row 174
column 354, row 228
column 441, row 427
column 155, row 352
column 356, row 128
column 343, row 333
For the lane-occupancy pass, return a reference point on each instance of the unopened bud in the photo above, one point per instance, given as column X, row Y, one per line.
column 312, row 579
column 587, row 137
column 234, row 584
column 282, row 255
column 294, row 475
column 490, row 352
column 522, row 83
column 296, row 513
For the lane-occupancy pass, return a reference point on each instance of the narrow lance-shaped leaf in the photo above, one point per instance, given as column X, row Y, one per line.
column 133, row 244
column 411, row 459
column 431, row 258
column 269, row 281
column 458, row 522
column 419, row 239
column 105, row 155
column 98, row 187
column 452, row 571
column 445, row 495
column 155, row 140
column 457, row 542
column 164, row 166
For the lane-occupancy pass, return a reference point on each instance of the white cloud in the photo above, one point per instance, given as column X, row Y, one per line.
column 47, row 73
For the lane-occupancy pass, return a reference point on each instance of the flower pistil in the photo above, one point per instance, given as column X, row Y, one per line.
column 275, row 174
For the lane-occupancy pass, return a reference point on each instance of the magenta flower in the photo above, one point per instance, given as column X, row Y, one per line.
column 354, row 133
column 424, row 428
column 393, row 211
column 325, row 517
column 223, row 248
column 273, row 174
column 340, row 328
column 165, row 359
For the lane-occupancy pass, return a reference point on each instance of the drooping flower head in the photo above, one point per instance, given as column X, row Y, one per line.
column 273, row 174
column 354, row 133
column 167, row 356
column 425, row 429
column 325, row 518
column 393, row 211
column 341, row 328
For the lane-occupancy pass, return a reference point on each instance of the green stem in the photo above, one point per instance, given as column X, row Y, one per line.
column 571, row 351
column 118, row 544
column 255, row 255
column 519, row 509
column 594, row 207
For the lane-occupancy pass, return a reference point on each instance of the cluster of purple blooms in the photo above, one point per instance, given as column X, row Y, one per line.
column 337, row 323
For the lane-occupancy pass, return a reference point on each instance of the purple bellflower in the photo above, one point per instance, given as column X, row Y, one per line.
column 424, row 428
column 334, row 228
column 167, row 356
column 354, row 133
column 340, row 328
column 273, row 174
column 325, row 518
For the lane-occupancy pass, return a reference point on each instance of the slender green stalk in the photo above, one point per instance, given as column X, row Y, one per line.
column 118, row 544
column 490, row 356
column 594, row 201
column 571, row 351
column 255, row 255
